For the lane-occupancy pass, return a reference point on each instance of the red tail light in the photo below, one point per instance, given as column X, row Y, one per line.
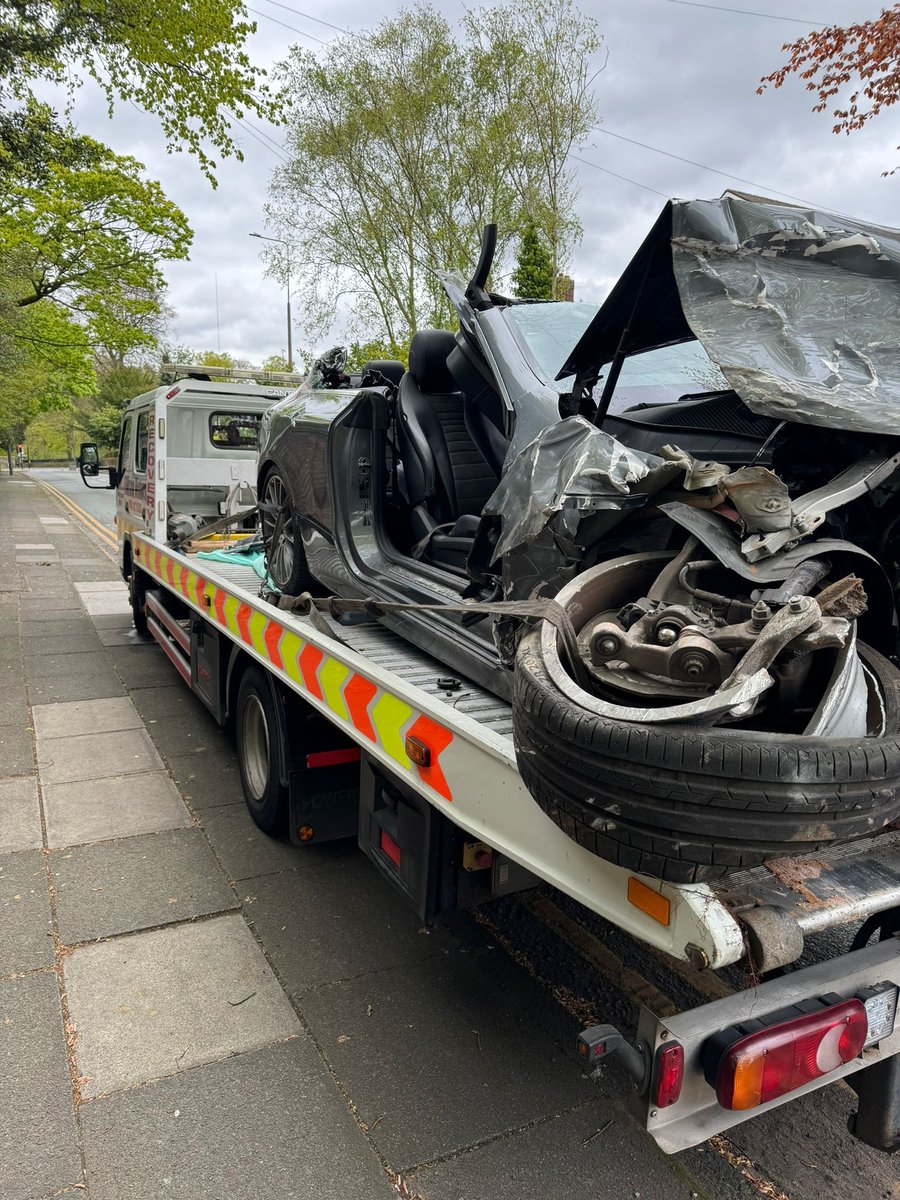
column 773, row 1061
column 669, row 1075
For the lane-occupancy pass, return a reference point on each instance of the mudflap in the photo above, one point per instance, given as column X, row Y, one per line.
column 877, row 1123
column 321, row 769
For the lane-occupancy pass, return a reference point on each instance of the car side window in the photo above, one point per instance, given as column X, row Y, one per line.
column 124, row 444
column 141, row 443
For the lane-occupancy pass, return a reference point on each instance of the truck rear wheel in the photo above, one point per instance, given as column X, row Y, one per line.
column 257, row 746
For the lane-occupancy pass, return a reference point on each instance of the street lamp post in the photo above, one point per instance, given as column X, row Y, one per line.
column 287, row 267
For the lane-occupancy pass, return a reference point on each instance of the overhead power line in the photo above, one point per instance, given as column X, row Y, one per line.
column 703, row 167
column 744, row 12
column 587, row 162
column 309, row 17
column 293, row 28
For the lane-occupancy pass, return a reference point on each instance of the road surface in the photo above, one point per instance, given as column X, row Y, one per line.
column 99, row 502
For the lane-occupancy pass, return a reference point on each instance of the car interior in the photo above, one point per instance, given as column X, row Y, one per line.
column 446, row 449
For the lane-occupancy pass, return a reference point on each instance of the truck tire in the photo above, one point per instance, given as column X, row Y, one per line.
column 257, row 733
column 285, row 557
column 137, row 590
column 687, row 803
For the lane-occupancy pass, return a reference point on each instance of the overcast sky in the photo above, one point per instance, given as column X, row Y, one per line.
column 679, row 78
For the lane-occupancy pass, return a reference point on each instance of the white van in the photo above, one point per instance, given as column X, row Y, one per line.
column 187, row 454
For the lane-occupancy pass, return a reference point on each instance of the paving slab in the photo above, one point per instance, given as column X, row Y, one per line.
column 154, row 1003
column 246, row 852
column 267, row 1125
column 50, row 690
column 103, row 603
column 13, row 704
column 16, row 750
column 95, row 755
column 442, row 1058
column 119, row 806
column 336, row 922
column 111, row 587
column 85, row 716
column 20, row 815
column 65, row 643
column 561, row 1157
column 142, row 666
column 35, row 615
column 38, row 1152
column 207, row 778
column 171, row 700
column 25, row 942
column 185, row 734
column 65, row 666
column 137, row 883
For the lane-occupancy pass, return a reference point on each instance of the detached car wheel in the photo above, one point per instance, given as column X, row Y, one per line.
column 688, row 802
column 285, row 557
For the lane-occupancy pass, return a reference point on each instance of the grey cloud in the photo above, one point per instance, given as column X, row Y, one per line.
column 678, row 78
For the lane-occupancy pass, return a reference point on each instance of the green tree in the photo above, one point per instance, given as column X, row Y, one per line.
column 89, row 232
column 359, row 353
column 532, row 276
column 540, row 61
column 405, row 143
column 185, row 61
column 47, row 365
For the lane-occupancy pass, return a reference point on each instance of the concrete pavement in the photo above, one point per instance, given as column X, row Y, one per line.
column 190, row 1009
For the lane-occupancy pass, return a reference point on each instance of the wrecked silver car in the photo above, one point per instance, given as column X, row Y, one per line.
column 700, row 483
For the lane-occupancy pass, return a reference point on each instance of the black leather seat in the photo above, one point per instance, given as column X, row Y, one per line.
column 446, row 476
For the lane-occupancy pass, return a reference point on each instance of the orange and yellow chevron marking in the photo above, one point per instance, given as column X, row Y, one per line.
column 272, row 639
column 378, row 715
column 309, row 660
column 389, row 715
column 436, row 738
column 358, row 694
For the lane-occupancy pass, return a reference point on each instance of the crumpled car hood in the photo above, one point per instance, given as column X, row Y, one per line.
column 799, row 309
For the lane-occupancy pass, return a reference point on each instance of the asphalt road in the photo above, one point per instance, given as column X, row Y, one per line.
column 799, row 1151
column 99, row 502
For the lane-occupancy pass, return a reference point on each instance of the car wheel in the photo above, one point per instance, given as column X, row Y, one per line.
column 285, row 556
column 256, row 728
column 687, row 802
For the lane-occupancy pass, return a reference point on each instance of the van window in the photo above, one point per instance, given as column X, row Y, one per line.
column 124, row 444
column 230, row 431
column 141, row 443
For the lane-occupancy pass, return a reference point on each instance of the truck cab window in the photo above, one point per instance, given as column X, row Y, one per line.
column 124, row 444
column 141, row 443
column 230, row 431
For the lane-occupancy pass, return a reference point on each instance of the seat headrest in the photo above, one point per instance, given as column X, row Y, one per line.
column 391, row 368
column 428, row 352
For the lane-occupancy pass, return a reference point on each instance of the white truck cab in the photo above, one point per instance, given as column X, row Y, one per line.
column 187, row 452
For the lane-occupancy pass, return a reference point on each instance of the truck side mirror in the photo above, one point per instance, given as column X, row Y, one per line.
column 89, row 459
column 89, row 465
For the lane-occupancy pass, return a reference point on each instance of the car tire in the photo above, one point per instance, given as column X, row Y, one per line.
column 687, row 803
column 285, row 556
column 257, row 734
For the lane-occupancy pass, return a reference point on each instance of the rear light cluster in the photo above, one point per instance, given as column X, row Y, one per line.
column 749, row 1069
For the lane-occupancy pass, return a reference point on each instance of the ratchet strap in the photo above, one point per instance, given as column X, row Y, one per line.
column 544, row 610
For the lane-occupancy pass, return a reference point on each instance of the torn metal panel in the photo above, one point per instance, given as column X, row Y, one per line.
column 571, row 468
column 798, row 308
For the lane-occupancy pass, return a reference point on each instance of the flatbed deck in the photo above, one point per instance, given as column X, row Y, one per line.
column 380, row 687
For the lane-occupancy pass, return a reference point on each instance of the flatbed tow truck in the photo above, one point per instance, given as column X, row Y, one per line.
column 344, row 729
